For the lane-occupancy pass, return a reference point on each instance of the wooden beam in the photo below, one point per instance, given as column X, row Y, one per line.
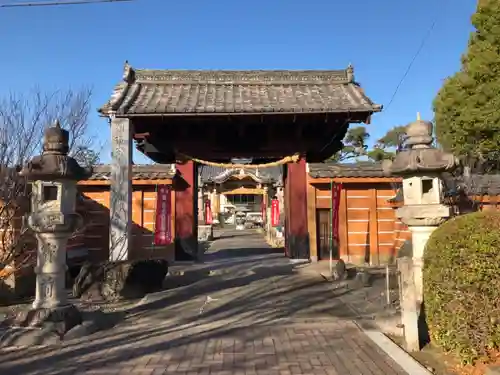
column 141, row 135
column 373, row 228
column 354, row 180
column 311, row 221
column 343, row 232
column 244, row 190
column 134, row 182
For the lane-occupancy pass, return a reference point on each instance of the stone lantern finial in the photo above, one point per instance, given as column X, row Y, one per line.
column 54, row 163
column 56, row 140
column 420, row 157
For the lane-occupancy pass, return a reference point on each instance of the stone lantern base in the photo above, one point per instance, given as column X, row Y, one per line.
column 57, row 320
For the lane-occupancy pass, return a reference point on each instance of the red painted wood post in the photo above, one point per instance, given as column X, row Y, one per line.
column 186, row 237
column 286, row 211
column 298, row 235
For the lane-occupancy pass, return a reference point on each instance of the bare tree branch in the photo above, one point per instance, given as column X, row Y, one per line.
column 23, row 119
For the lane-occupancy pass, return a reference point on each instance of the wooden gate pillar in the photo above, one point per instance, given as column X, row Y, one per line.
column 296, row 194
column 186, row 199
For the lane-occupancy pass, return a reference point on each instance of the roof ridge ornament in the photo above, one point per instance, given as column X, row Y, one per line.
column 350, row 73
column 128, row 72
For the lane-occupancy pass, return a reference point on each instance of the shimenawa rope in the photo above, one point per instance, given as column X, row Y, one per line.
column 287, row 159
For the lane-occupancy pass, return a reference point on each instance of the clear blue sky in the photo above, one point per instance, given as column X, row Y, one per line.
column 58, row 47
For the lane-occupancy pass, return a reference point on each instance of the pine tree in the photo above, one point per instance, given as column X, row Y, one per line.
column 467, row 108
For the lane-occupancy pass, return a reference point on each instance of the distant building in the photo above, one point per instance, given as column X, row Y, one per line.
column 231, row 190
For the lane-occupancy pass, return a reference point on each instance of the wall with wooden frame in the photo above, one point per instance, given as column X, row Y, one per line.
column 96, row 203
column 368, row 229
column 94, row 208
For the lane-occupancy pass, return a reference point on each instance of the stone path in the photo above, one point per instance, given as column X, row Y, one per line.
column 253, row 316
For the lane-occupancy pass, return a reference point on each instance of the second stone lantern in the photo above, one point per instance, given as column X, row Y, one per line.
column 421, row 166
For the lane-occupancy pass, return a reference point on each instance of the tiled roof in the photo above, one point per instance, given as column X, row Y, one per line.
column 485, row 184
column 226, row 92
column 332, row 170
column 479, row 185
column 219, row 174
column 139, row 172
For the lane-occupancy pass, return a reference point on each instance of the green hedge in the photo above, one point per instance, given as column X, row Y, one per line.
column 462, row 285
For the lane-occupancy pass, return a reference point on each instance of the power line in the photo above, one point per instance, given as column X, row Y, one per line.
column 58, row 2
column 415, row 56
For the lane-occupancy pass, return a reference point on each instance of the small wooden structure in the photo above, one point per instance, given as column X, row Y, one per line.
column 242, row 187
column 368, row 229
column 95, row 207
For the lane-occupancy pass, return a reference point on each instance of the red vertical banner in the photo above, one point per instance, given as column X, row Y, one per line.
column 208, row 212
column 336, row 189
column 163, row 222
column 275, row 213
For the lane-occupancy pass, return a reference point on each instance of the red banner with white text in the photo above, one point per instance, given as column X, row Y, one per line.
column 336, row 190
column 275, row 213
column 163, row 222
column 208, row 212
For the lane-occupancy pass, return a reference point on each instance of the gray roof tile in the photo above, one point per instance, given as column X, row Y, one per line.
column 139, row 172
column 346, row 170
column 181, row 92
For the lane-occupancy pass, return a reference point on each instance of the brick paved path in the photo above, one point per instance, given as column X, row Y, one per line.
column 254, row 316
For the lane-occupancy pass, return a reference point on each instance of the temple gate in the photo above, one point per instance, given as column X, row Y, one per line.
column 190, row 117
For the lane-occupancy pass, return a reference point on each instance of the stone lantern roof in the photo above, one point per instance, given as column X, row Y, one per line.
column 420, row 157
column 54, row 162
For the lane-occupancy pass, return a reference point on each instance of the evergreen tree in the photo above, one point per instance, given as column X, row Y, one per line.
column 386, row 147
column 354, row 144
column 467, row 108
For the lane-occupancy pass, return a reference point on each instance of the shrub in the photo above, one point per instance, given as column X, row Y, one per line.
column 462, row 285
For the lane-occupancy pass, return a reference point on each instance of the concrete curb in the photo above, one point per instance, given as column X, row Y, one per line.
column 373, row 331
column 402, row 358
column 398, row 355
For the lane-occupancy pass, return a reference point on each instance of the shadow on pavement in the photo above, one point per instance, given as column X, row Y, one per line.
column 241, row 306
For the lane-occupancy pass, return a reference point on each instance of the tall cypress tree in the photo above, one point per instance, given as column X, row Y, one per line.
column 467, row 108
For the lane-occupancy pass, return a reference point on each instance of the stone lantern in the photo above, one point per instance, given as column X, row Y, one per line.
column 53, row 176
column 421, row 166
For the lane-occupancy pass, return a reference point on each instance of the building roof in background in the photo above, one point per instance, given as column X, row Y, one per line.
column 346, row 170
column 173, row 92
column 478, row 184
column 139, row 172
